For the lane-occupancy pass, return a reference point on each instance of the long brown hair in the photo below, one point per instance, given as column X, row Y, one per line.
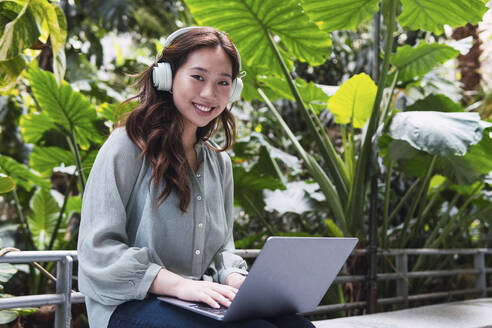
column 156, row 125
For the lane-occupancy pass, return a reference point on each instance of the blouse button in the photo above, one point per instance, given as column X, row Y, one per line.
column 198, row 175
column 197, row 252
column 199, row 197
column 200, row 225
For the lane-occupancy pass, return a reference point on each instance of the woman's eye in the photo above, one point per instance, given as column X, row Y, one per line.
column 225, row 83
column 197, row 77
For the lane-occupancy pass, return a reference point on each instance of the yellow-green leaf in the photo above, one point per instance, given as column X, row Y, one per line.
column 19, row 29
column 353, row 101
column 9, row 71
column 6, row 184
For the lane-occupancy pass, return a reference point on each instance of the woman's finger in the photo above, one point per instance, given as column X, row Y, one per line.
column 227, row 292
column 218, row 297
column 207, row 299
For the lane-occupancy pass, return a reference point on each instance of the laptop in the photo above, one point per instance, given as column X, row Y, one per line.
column 290, row 275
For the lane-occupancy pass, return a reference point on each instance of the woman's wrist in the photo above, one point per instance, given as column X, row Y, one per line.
column 166, row 283
column 234, row 279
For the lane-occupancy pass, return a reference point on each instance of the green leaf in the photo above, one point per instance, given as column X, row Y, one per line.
column 9, row 71
column 42, row 217
column 44, row 159
column 439, row 103
column 311, row 94
column 19, row 29
column 112, row 112
column 415, row 62
column 34, row 126
column 293, row 199
column 248, row 189
column 21, row 174
column 437, row 133
column 431, row 15
column 6, row 184
column 7, row 271
column 74, row 204
column 7, row 316
column 249, row 23
column 68, row 109
column 354, row 100
column 463, row 148
column 57, row 30
column 335, row 15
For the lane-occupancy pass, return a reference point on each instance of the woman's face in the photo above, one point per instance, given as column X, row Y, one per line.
column 202, row 86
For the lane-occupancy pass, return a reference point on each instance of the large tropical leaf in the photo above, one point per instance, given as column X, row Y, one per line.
column 19, row 29
column 54, row 17
column 415, row 62
column 6, row 184
column 437, row 133
column 439, row 103
column 34, row 126
column 431, row 15
column 294, row 199
column 251, row 22
column 9, row 71
column 68, row 109
column 339, row 14
column 44, row 159
column 353, row 101
column 21, row 174
column 42, row 217
column 460, row 141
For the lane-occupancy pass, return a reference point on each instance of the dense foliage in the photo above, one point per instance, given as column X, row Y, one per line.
column 320, row 119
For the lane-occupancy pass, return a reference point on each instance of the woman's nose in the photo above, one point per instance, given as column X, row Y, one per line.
column 208, row 90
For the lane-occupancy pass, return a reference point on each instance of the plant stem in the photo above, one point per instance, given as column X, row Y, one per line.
column 415, row 202
column 26, row 232
column 324, row 144
column 356, row 199
column 387, row 190
column 271, row 231
column 76, row 154
column 403, row 200
column 328, row 189
column 60, row 216
column 388, row 105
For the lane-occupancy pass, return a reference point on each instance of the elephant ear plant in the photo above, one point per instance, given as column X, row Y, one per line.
column 272, row 35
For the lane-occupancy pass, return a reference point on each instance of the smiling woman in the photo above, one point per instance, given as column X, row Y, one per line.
column 157, row 208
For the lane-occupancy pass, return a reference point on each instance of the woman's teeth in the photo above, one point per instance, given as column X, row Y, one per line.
column 203, row 108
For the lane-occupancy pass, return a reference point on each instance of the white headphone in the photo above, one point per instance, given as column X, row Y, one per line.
column 162, row 74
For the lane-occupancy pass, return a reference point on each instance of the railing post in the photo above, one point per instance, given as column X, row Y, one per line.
column 402, row 282
column 63, row 312
column 480, row 280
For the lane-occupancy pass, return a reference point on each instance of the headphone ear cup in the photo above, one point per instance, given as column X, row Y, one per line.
column 237, row 88
column 162, row 76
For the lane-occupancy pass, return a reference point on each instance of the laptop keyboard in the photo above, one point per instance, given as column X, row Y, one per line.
column 220, row 311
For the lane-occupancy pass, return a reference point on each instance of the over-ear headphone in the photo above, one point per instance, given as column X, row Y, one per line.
column 162, row 74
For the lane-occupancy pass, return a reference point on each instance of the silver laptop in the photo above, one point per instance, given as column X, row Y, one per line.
column 290, row 275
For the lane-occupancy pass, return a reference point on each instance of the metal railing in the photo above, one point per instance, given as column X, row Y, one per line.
column 65, row 297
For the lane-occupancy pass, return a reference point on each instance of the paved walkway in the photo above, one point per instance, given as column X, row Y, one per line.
column 466, row 314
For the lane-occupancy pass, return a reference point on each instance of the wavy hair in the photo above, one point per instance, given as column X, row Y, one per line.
column 156, row 125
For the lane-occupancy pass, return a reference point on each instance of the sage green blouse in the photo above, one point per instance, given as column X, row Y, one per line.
column 124, row 240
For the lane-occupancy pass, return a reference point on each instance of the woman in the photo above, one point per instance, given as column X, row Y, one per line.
column 157, row 208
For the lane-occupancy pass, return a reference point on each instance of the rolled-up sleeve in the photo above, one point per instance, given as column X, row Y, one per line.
column 226, row 262
column 110, row 270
